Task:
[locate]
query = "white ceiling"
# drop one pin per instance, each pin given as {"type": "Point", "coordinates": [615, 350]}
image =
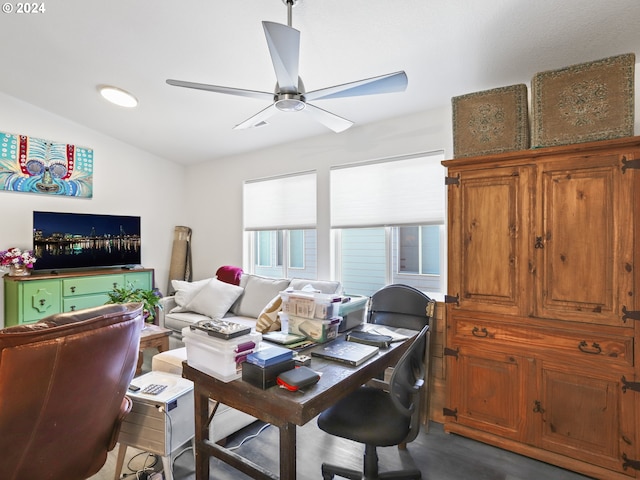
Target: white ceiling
{"type": "Point", "coordinates": [56, 59]}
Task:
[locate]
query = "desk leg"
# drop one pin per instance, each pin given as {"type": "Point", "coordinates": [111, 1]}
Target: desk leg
{"type": "Point", "coordinates": [288, 451]}
{"type": "Point", "coordinates": [201, 403]}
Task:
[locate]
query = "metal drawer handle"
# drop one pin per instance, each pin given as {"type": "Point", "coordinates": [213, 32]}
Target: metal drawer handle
{"type": "Point", "coordinates": [593, 350]}
{"type": "Point", "coordinates": [73, 308]}
{"type": "Point", "coordinates": [42, 301]}
{"type": "Point", "coordinates": [477, 332]}
{"type": "Point", "coordinates": [73, 289]}
{"type": "Point", "coordinates": [115, 285]}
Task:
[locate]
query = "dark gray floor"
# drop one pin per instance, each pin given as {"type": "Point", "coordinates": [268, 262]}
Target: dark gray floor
{"type": "Point", "coordinates": [439, 456]}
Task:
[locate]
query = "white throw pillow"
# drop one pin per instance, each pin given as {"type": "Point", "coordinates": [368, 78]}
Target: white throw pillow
{"type": "Point", "coordinates": [185, 291]}
{"type": "Point", "coordinates": [214, 299]}
{"type": "Point", "coordinates": [258, 292]}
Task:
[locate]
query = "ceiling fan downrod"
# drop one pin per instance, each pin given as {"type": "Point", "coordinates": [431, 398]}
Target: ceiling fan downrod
{"type": "Point", "coordinates": [290, 4]}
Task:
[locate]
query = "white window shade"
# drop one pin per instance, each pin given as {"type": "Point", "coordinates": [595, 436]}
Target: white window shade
{"type": "Point", "coordinates": [281, 203]}
{"type": "Point", "coordinates": [401, 191]}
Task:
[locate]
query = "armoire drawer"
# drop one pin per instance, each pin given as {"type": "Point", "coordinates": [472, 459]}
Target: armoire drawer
{"type": "Point", "coordinates": [575, 344]}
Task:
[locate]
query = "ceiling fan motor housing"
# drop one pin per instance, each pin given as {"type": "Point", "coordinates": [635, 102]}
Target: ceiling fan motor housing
{"type": "Point", "coordinates": [289, 102]}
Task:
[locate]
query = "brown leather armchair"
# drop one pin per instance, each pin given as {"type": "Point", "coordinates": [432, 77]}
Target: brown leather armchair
{"type": "Point", "coordinates": [63, 382]}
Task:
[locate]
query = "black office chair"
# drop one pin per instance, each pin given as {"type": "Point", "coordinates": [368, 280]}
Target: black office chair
{"type": "Point", "coordinates": [380, 418]}
{"type": "Point", "coordinates": [400, 305]}
{"type": "Point", "coordinates": [403, 306]}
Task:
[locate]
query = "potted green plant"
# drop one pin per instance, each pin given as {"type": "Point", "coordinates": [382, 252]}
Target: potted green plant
{"type": "Point", "coordinates": [128, 293]}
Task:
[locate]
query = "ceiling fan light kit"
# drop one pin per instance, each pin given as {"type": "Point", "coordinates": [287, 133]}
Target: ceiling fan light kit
{"type": "Point", "coordinates": [290, 95]}
{"type": "Point", "coordinates": [118, 96]}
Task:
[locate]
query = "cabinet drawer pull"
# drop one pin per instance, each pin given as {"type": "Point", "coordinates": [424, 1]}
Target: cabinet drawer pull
{"type": "Point", "coordinates": [593, 350]}
{"type": "Point", "coordinates": [73, 289]}
{"type": "Point", "coordinates": [73, 308]}
{"type": "Point", "coordinates": [477, 332]}
{"type": "Point", "coordinates": [42, 301]}
{"type": "Point", "coordinates": [115, 285]}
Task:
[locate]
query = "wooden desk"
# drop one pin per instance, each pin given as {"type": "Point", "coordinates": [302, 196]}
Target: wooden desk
{"type": "Point", "coordinates": [152, 336]}
{"type": "Point", "coordinates": [277, 406]}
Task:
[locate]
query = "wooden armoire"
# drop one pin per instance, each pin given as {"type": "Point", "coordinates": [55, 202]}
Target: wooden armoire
{"type": "Point", "coordinates": [542, 310]}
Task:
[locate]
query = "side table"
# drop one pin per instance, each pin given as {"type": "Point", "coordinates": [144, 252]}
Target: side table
{"type": "Point", "coordinates": [159, 423]}
{"type": "Point", "coordinates": [152, 336]}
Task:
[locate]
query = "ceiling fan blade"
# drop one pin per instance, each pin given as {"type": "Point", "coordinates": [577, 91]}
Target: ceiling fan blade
{"type": "Point", "coordinates": [228, 90]}
{"type": "Point", "coordinates": [389, 83]}
{"type": "Point", "coordinates": [258, 118]}
{"type": "Point", "coordinates": [284, 47]}
{"type": "Point", "coordinates": [328, 119]}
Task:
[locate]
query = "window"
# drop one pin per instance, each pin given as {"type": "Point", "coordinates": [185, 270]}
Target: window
{"type": "Point", "coordinates": [279, 221]}
{"type": "Point", "coordinates": [296, 249]}
{"type": "Point", "coordinates": [284, 253]}
{"type": "Point", "coordinates": [388, 223]}
{"type": "Point", "coordinates": [418, 250]}
{"type": "Point", "coordinates": [264, 249]}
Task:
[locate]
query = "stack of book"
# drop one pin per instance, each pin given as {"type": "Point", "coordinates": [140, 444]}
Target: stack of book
{"type": "Point", "coordinates": [262, 367]}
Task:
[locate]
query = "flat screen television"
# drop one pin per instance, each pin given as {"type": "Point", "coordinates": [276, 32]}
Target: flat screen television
{"type": "Point", "coordinates": [83, 240]}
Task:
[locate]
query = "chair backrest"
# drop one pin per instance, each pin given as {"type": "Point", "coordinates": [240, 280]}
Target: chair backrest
{"type": "Point", "coordinates": [407, 381]}
{"type": "Point", "coordinates": [399, 305]}
{"type": "Point", "coordinates": [63, 382]}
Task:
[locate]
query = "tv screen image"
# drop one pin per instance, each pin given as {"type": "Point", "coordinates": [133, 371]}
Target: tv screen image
{"type": "Point", "coordinates": [82, 240]}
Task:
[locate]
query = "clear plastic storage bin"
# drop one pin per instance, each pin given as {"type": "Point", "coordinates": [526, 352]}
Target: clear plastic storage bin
{"type": "Point", "coordinates": [215, 356]}
{"type": "Point", "coordinates": [319, 331]}
{"type": "Point", "coordinates": [321, 306]}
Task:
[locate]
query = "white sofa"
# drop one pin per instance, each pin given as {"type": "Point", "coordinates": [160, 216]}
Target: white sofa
{"type": "Point", "coordinates": [256, 294]}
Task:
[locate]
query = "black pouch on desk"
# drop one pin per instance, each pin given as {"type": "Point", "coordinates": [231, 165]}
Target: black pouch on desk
{"type": "Point", "coordinates": [369, 338]}
{"type": "Point", "coordinates": [297, 378]}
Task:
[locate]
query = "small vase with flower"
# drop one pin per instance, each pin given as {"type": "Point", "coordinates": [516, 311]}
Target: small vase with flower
{"type": "Point", "coordinates": [17, 262]}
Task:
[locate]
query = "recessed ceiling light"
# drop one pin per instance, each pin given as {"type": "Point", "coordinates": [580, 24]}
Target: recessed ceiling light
{"type": "Point", "coordinates": [118, 96]}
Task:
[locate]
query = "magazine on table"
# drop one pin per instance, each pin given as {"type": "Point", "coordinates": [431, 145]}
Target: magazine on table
{"type": "Point", "coordinates": [376, 335]}
{"type": "Point", "coordinates": [341, 350]}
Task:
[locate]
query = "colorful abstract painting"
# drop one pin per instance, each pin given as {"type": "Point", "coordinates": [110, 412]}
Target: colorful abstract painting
{"type": "Point", "coordinates": [34, 165]}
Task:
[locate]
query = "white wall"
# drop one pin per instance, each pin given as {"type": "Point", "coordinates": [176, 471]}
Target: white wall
{"type": "Point", "coordinates": [215, 189]}
{"type": "Point", "coordinates": [126, 181]}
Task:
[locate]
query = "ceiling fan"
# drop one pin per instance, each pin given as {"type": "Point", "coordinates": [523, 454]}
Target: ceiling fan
{"type": "Point", "coordinates": [290, 95]}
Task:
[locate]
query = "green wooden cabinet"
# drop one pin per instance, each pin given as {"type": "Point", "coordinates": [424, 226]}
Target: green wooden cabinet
{"type": "Point", "coordinates": [29, 299]}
